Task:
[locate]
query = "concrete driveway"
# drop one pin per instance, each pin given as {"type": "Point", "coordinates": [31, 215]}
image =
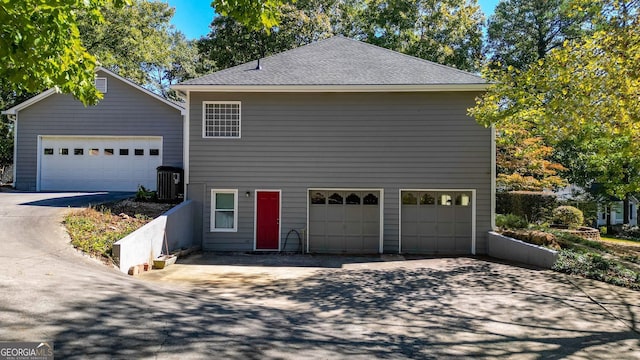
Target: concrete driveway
{"type": "Point", "coordinates": [211, 306]}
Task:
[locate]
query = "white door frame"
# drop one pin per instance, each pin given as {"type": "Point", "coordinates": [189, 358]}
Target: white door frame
{"type": "Point", "coordinates": [255, 218]}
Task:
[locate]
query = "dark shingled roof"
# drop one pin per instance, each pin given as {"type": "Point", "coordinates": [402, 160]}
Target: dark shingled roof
{"type": "Point", "coordinates": [339, 61]}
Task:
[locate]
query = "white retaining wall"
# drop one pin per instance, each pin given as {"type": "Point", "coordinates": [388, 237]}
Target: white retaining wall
{"type": "Point", "coordinates": [147, 243]}
{"type": "Point", "coordinates": [503, 247]}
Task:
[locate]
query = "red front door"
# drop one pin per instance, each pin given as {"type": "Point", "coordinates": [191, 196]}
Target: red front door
{"type": "Point", "coordinates": [268, 220]}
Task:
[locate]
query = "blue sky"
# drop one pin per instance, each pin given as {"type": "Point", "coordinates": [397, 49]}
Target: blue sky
{"type": "Point", "coordinates": [193, 17]}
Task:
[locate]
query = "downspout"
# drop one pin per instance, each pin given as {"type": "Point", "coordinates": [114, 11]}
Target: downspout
{"type": "Point", "coordinates": [493, 177]}
{"type": "Point", "coordinates": [14, 118]}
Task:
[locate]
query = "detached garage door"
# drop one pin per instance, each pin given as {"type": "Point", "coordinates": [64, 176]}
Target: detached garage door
{"type": "Point", "coordinates": [436, 222]}
{"type": "Point", "coordinates": [71, 163]}
{"type": "Point", "coordinates": [344, 221]}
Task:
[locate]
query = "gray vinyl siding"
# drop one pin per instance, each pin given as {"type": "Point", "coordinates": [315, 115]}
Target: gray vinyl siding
{"type": "Point", "coordinates": [124, 111]}
{"type": "Point", "coordinates": [296, 142]}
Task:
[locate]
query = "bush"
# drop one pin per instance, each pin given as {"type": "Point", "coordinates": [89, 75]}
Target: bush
{"type": "Point", "coordinates": [535, 207]}
{"type": "Point", "coordinates": [511, 221]}
{"type": "Point", "coordinates": [569, 216]}
{"type": "Point", "coordinates": [630, 232]}
{"type": "Point", "coordinates": [144, 194]}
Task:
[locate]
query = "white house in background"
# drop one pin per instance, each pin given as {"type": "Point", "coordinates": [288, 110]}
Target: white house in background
{"type": "Point", "coordinates": [616, 207]}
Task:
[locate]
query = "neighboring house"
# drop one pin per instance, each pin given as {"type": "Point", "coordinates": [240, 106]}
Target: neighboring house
{"type": "Point", "coordinates": [61, 145]}
{"type": "Point", "coordinates": [615, 206]}
{"type": "Point", "coordinates": [358, 148]}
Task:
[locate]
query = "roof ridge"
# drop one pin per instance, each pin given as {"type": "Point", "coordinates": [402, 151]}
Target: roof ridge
{"type": "Point", "coordinates": [412, 57]}
{"type": "Point", "coordinates": [265, 58]}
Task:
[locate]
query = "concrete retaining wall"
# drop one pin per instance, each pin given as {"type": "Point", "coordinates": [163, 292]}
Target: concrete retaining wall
{"type": "Point", "coordinates": [147, 243]}
{"type": "Point", "coordinates": [506, 248]}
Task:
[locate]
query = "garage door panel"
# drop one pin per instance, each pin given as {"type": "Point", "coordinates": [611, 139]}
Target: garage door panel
{"type": "Point", "coordinates": [351, 222]}
{"type": "Point", "coordinates": [436, 222]}
{"type": "Point", "coordinates": [93, 163]}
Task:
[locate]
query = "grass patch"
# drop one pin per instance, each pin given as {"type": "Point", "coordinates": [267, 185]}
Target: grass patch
{"type": "Point", "coordinates": [96, 230]}
{"type": "Point", "coordinates": [620, 241]}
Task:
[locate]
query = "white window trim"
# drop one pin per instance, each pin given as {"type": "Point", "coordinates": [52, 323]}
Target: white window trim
{"type": "Point", "coordinates": [212, 220]}
{"type": "Point", "coordinates": [204, 119]}
{"type": "Point", "coordinates": [105, 84]}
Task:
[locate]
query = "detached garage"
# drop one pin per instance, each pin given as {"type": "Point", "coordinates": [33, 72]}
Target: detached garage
{"type": "Point", "coordinates": [61, 145]}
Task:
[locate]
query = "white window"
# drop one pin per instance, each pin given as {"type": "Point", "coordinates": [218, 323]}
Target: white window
{"type": "Point", "coordinates": [224, 210]}
{"type": "Point", "coordinates": [221, 119]}
{"type": "Point", "coordinates": [101, 84]}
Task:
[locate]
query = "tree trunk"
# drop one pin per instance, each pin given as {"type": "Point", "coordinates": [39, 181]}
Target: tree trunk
{"type": "Point", "coordinates": [625, 209]}
{"type": "Point", "coordinates": [609, 227]}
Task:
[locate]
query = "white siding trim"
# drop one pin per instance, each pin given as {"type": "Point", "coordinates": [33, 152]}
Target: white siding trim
{"type": "Point", "coordinates": [185, 144]}
{"type": "Point", "coordinates": [213, 210]}
{"type": "Point", "coordinates": [493, 178]}
{"type": "Point", "coordinates": [473, 214]}
{"type": "Point", "coordinates": [15, 146]}
{"type": "Point", "coordinates": [380, 199]}
{"type": "Point", "coordinates": [38, 162]}
{"type": "Point", "coordinates": [255, 218]}
{"type": "Point", "coordinates": [331, 88]}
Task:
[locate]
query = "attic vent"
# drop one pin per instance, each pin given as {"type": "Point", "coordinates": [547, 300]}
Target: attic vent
{"type": "Point", "coordinates": [101, 84]}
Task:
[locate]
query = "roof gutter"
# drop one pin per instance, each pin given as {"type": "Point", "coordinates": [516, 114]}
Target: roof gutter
{"type": "Point", "coordinates": [331, 88]}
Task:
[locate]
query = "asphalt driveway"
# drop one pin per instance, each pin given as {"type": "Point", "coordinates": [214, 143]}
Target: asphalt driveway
{"type": "Point", "coordinates": [212, 306]}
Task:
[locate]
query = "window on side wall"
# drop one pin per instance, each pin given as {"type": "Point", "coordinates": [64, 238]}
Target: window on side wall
{"type": "Point", "coordinates": [221, 119]}
{"type": "Point", "coordinates": [224, 210]}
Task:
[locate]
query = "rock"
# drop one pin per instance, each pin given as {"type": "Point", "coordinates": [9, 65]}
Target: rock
{"type": "Point", "coordinates": [123, 216]}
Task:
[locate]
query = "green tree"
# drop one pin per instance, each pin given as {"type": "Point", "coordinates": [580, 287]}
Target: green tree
{"type": "Point", "coordinates": [255, 15]}
{"type": "Point", "coordinates": [40, 46]}
{"type": "Point", "coordinates": [130, 40]}
{"type": "Point", "coordinates": [583, 95]}
{"type": "Point", "coordinates": [522, 31]}
{"type": "Point", "coordinates": [447, 32]}
{"type": "Point", "coordinates": [231, 43]}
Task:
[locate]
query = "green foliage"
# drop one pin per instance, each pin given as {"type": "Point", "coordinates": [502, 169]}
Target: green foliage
{"type": "Point", "coordinates": [40, 46]}
{"type": "Point", "coordinates": [253, 14]}
{"type": "Point", "coordinates": [447, 32]}
{"type": "Point", "coordinates": [95, 232]}
{"type": "Point", "coordinates": [595, 266]}
{"type": "Point", "coordinates": [584, 95]}
{"type": "Point", "coordinates": [511, 221]}
{"type": "Point", "coordinates": [144, 194]}
{"type": "Point", "coordinates": [630, 232]}
{"type": "Point", "coordinates": [520, 32]}
{"type": "Point", "coordinates": [6, 144]}
{"type": "Point", "coordinates": [569, 216]}
{"type": "Point", "coordinates": [231, 43]}
{"type": "Point", "coordinates": [535, 207]}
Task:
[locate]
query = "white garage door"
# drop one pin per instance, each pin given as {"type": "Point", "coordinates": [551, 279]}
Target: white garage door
{"type": "Point", "coordinates": [71, 163]}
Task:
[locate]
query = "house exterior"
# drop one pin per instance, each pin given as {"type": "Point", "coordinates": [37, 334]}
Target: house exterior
{"type": "Point", "coordinates": [357, 148]}
{"type": "Point", "coordinates": [61, 145]}
{"type": "Point", "coordinates": [607, 205]}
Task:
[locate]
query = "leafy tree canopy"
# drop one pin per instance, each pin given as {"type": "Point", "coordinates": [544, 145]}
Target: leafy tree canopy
{"type": "Point", "coordinates": [586, 94]}
{"type": "Point", "coordinates": [40, 46]}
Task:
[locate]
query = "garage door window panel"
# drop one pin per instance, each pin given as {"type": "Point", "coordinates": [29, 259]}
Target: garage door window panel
{"type": "Point", "coordinates": [124, 152]}
{"type": "Point", "coordinates": [108, 152]}
{"type": "Point", "coordinates": [64, 151]}
{"type": "Point", "coordinates": [48, 151]}
{"type": "Point", "coordinates": [224, 205]}
{"type": "Point", "coordinates": [78, 151]}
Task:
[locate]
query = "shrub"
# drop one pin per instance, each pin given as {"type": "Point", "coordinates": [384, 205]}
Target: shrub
{"type": "Point", "coordinates": [144, 194]}
{"type": "Point", "coordinates": [630, 232]}
{"type": "Point", "coordinates": [595, 266]}
{"type": "Point", "coordinates": [535, 207]}
{"type": "Point", "coordinates": [569, 216]}
{"type": "Point", "coordinates": [511, 221]}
